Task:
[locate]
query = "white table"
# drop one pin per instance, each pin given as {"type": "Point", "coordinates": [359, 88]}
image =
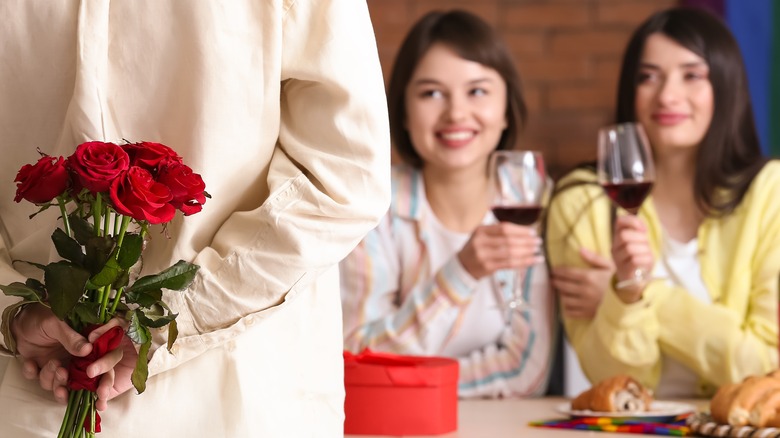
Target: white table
{"type": "Point", "coordinates": [509, 418]}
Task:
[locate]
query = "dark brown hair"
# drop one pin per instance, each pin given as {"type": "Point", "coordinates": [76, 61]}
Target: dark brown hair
{"type": "Point", "coordinates": [471, 38]}
{"type": "Point", "coordinates": [729, 156]}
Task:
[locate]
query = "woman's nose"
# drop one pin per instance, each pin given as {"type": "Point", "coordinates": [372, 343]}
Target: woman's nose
{"type": "Point", "coordinates": [457, 108]}
{"type": "Point", "coordinates": [670, 91]}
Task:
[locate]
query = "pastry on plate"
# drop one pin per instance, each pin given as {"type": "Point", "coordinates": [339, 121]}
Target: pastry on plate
{"type": "Point", "coordinates": [620, 393]}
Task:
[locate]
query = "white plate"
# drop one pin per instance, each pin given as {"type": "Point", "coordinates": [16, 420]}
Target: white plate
{"type": "Point", "coordinates": [660, 411]}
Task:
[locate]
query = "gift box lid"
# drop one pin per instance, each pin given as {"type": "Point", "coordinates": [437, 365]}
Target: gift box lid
{"type": "Point", "coordinates": [371, 368]}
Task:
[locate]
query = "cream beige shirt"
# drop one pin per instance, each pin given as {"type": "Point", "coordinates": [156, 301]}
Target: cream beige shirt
{"type": "Point", "coordinates": [280, 105]}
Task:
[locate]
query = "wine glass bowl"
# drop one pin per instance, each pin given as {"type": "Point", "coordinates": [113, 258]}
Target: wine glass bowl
{"type": "Point", "coordinates": [519, 182]}
{"type": "Point", "coordinates": [626, 172]}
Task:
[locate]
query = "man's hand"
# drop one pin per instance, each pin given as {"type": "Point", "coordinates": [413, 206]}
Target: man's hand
{"type": "Point", "coordinates": [582, 289]}
{"type": "Point", "coordinates": [46, 344]}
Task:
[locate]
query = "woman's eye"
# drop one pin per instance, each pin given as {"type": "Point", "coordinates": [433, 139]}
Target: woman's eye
{"type": "Point", "coordinates": [436, 94]}
{"type": "Point", "coordinates": [644, 76]}
{"type": "Point", "coordinates": [478, 92]}
{"type": "Point", "coordinates": [694, 76]}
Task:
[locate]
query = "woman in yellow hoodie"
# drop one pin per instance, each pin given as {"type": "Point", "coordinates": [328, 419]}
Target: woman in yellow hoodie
{"type": "Point", "coordinates": [709, 233]}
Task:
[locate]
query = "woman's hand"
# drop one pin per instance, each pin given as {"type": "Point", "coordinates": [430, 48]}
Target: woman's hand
{"type": "Point", "coordinates": [500, 246]}
{"type": "Point", "coordinates": [46, 344]}
{"type": "Point", "coordinates": [582, 289]}
{"type": "Point", "coordinates": [631, 252]}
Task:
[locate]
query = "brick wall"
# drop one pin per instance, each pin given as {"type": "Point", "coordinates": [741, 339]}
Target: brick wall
{"type": "Point", "coordinates": [567, 51]}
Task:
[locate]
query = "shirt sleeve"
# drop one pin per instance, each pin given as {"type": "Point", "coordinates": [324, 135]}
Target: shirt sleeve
{"type": "Point", "coordinates": [375, 313]}
{"type": "Point", "coordinates": [328, 179]}
{"type": "Point", "coordinates": [519, 363]}
{"type": "Point", "coordinates": [621, 338]}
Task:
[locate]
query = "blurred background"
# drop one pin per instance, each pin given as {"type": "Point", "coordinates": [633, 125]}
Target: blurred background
{"type": "Point", "coordinates": [568, 53]}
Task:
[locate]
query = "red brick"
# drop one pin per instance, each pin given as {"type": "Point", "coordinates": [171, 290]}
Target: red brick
{"type": "Point", "coordinates": [598, 41]}
{"type": "Point", "coordinates": [584, 97]}
{"type": "Point", "coordinates": [522, 16]}
{"type": "Point", "coordinates": [526, 43]}
{"type": "Point", "coordinates": [628, 13]}
{"type": "Point", "coordinates": [488, 10]}
{"type": "Point", "coordinates": [533, 98]}
{"type": "Point", "coordinates": [554, 69]}
{"type": "Point", "coordinates": [393, 13]}
{"type": "Point", "coordinates": [607, 69]}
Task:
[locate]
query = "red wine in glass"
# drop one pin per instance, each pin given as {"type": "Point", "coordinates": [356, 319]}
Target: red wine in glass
{"type": "Point", "coordinates": [519, 214]}
{"type": "Point", "coordinates": [626, 172]}
{"type": "Point", "coordinates": [628, 194]}
{"type": "Point", "coordinates": [519, 182]}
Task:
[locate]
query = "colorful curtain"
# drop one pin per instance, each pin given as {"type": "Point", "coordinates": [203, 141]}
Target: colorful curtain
{"type": "Point", "coordinates": [756, 26]}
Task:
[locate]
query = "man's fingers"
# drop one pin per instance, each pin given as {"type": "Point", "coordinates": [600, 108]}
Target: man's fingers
{"type": "Point", "coordinates": [30, 370]}
{"type": "Point", "coordinates": [105, 363]}
{"type": "Point", "coordinates": [98, 332]}
{"type": "Point", "coordinates": [596, 260]}
{"type": "Point", "coordinates": [71, 340]}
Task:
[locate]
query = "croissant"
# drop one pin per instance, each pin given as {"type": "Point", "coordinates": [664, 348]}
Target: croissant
{"type": "Point", "coordinates": [765, 412]}
{"type": "Point", "coordinates": [754, 401]}
{"type": "Point", "coordinates": [620, 393]}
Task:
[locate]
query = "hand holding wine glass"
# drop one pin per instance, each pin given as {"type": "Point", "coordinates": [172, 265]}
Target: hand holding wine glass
{"type": "Point", "coordinates": [519, 180]}
{"type": "Point", "coordinates": [626, 172]}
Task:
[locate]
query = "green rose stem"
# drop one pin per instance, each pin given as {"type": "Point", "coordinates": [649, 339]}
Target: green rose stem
{"type": "Point", "coordinates": [97, 209]}
{"type": "Point", "coordinates": [65, 220]}
{"type": "Point", "coordinates": [120, 238]}
{"type": "Point", "coordinates": [67, 421]}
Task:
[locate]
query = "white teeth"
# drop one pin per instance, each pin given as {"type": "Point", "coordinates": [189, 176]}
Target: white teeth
{"type": "Point", "coordinates": [462, 135]}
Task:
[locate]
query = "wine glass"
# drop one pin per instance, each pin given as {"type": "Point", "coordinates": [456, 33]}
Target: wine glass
{"type": "Point", "coordinates": [626, 172]}
{"type": "Point", "coordinates": [519, 182]}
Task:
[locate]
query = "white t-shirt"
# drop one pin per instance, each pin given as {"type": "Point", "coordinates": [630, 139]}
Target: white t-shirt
{"type": "Point", "coordinates": [679, 266]}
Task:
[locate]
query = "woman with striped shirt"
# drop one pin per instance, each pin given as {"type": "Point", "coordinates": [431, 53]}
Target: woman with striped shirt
{"type": "Point", "coordinates": [433, 277]}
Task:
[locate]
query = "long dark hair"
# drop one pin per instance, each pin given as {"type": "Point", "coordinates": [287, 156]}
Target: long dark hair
{"type": "Point", "coordinates": [471, 38]}
{"type": "Point", "coordinates": [729, 156]}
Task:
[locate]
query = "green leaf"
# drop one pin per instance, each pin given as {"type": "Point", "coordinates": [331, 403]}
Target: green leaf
{"type": "Point", "coordinates": [141, 371]}
{"type": "Point", "coordinates": [82, 230]}
{"type": "Point", "coordinates": [87, 312]}
{"type": "Point", "coordinates": [17, 289]}
{"type": "Point", "coordinates": [136, 330]}
{"type": "Point", "coordinates": [173, 333]}
{"type": "Point", "coordinates": [144, 299]}
{"type": "Point", "coordinates": [177, 277]}
{"type": "Point", "coordinates": [65, 283]}
{"type": "Point", "coordinates": [37, 285]}
{"type": "Point", "coordinates": [98, 252]}
{"type": "Point", "coordinates": [155, 317]}
{"type": "Point", "coordinates": [67, 247]}
{"type": "Point", "coordinates": [122, 280]}
{"type": "Point", "coordinates": [110, 272]}
{"type": "Point", "coordinates": [132, 244]}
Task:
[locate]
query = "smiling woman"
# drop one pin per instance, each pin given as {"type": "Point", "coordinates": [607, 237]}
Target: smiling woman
{"type": "Point", "coordinates": [709, 227]}
{"type": "Point", "coordinates": [431, 279]}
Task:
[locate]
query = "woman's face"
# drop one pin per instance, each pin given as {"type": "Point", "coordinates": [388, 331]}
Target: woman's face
{"type": "Point", "coordinates": [674, 97]}
{"type": "Point", "coordinates": [455, 109]}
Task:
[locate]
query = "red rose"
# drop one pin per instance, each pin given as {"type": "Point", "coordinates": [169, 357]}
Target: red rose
{"type": "Point", "coordinates": [137, 195]}
{"type": "Point", "coordinates": [187, 187]}
{"type": "Point", "coordinates": [98, 164]}
{"type": "Point", "coordinates": [151, 156]}
{"type": "Point", "coordinates": [43, 181]}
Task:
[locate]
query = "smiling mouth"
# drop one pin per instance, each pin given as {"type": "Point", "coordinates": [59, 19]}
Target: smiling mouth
{"type": "Point", "coordinates": [669, 119]}
{"type": "Point", "coordinates": [457, 136]}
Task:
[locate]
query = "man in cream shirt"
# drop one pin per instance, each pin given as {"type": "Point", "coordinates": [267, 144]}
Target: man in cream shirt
{"type": "Point", "coordinates": [280, 106]}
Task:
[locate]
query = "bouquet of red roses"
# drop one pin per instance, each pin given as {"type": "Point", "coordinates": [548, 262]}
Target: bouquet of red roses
{"type": "Point", "coordinates": [108, 196]}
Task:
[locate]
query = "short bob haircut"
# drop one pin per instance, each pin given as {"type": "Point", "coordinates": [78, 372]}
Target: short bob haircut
{"type": "Point", "coordinates": [471, 38]}
{"type": "Point", "coordinates": [729, 156]}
